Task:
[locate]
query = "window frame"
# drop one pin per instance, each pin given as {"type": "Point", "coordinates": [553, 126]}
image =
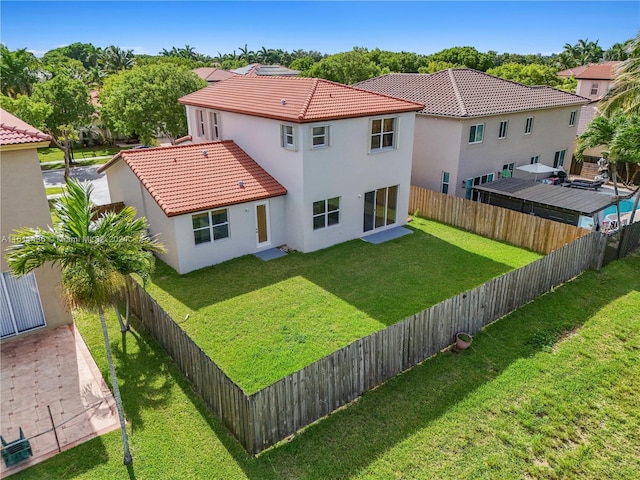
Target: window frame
{"type": "Point", "coordinates": [559, 158]}
{"type": "Point", "coordinates": [214, 125]}
{"type": "Point", "coordinates": [284, 135]}
{"type": "Point", "coordinates": [475, 129]}
{"type": "Point", "coordinates": [326, 213]}
{"type": "Point", "coordinates": [534, 159]}
{"type": "Point", "coordinates": [509, 166]}
{"type": "Point", "coordinates": [595, 87]}
{"type": "Point", "coordinates": [200, 123]}
{"type": "Point", "coordinates": [382, 133]}
{"type": "Point", "coordinates": [502, 132]}
{"type": "Point", "coordinates": [572, 118]}
{"type": "Point", "coordinates": [528, 126]}
{"type": "Point", "coordinates": [326, 136]}
{"type": "Point", "coordinates": [210, 227]}
{"type": "Point", "coordinates": [445, 182]}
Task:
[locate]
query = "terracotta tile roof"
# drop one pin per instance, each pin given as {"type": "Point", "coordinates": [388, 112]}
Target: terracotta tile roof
{"type": "Point", "coordinates": [14, 131]}
{"type": "Point", "coordinates": [295, 99]}
{"type": "Point", "coordinates": [211, 74]}
{"type": "Point", "coordinates": [599, 71]}
{"type": "Point", "coordinates": [464, 92]}
{"type": "Point", "coordinates": [572, 72]}
{"type": "Point", "coordinates": [183, 179]}
{"type": "Point", "coordinates": [259, 70]}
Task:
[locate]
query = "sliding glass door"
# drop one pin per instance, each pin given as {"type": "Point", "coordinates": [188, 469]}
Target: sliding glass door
{"type": "Point", "coordinates": [380, 208]}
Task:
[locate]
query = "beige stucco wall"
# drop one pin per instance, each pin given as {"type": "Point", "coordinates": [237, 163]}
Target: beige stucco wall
{"type": "Point", "coordinates": [584, 88]}
{"type": "Point", "coordinates": [442, 144]}
{"type": "Point", "coordinates": [23, 203]}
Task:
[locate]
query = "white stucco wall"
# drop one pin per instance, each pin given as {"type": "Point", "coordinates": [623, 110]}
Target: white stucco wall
{"type": "Point", "coordinates": [345, 169]}
{"type": "Point", "coordinates": [443, 145]}
{"type": "Point", "coordinates": [125, 187]}
{"type": "Point", "coordinates": [242, 235]}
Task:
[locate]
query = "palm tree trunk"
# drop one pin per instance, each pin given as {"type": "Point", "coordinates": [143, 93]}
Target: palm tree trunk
{"type": "Point", "coordinates": [127, 458]}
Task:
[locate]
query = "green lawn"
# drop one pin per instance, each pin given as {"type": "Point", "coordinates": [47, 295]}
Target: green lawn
{"type": "Point", "coordinates": [260, 321]}
{"type": "Point", "coordinates": [550, 391]}
{"type": "Point", "coordinates": [52, 154]}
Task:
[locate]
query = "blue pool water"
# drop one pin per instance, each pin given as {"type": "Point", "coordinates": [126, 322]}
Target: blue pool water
{"type": "Point", "coordinates": [625, 206]}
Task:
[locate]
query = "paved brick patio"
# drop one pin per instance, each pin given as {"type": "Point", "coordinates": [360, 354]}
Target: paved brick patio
{"type": "Point", "coordinates": [52, 370]}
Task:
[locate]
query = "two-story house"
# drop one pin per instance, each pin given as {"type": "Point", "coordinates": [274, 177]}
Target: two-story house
{"type": "Point", "coordinates": [274, 161]}
{"type": "Point", "coordinates": [31, 302]}
{"type": "Point", "coordinates": [475, 127]}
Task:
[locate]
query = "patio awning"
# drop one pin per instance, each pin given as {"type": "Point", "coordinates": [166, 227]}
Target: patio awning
{"type": "Point", "coordinates": [538, 168]}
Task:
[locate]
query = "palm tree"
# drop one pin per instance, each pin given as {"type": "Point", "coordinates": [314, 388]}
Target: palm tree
{"type": "Point", "coordinates": [625, 146]}
{"type": "Point", "coordinates": [18, 71]}
{"type": "Point", "coordinates": [93, 254]}
{"type": "Point", "coordinates": [625, 92]}
{"type": "Point", "coordinates": [115, 59]}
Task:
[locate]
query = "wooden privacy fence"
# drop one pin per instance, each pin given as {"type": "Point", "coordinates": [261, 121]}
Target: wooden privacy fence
{"type": "Point", "coordinates": [527, 231]}
{"type": "Point", "coordinates": [271, 414]}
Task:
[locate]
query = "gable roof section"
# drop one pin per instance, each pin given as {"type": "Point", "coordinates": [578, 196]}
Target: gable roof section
{"type": "Point", "coordinates": [184, 179]}
{"type": "Point", "coordinates": [599, 71]}
{"type": "Point", "coordinates": [464, 92]}
{"type": "Point", "coordinates": [295, 99]}
{"type": "Point", "coordinates": [14, 131]}
{"type": "Point", "coordinates": [211, 74]}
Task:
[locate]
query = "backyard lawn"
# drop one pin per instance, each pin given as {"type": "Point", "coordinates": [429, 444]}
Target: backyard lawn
{"type": "Point", "coordinates": [260, 321]}
{"type": "Point", "coordinates": [54, 154]}
{"type": "Point", "coordinates": [549, 391]}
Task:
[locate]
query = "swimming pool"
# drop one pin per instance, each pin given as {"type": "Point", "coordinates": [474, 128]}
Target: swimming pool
{"type": "Point", "coordinates": [625, 206]}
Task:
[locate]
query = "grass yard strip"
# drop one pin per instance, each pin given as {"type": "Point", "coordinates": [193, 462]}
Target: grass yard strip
{"type": "Point", "coordinates": [53, 154]}
{"type": "Point", "coordinates": [55, 190]}
{"type": "Point", "coordinates": [260, 321]}
{"type": "Point", "coordinates": [549, 391]}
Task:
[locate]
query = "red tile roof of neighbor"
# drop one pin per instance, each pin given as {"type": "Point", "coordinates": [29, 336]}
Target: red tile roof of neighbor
{"type": "Point", "coordinates": [14, 131]}
{"type": "Point", "coordinates": [211, 74]}
{"type": "Point", "coordinates": [191, 178]}
{"type": "Point", "coordinates": [295, 99]}
{"type": "Point", "coordinates": [464, 92]}
{"type": "Point", "coordinates": [599, 71]}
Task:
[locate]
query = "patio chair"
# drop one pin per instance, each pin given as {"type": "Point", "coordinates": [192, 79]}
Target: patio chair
{"type": "Point", "coordinates": [16, 451]}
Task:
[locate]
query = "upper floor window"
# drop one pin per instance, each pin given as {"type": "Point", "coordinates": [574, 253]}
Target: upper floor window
{"type": "Point", "coordinates": [383, 133]}
{"type": "Point", "coordinates": [326, 213]}
{"type": "Point", "coordinates": [594, 88]}
{"type": "Point", "coordinates": [210, 226]}
{"type": "Point", "coordinates": [572, 118]}
{"type": "Point", "coordinates": [502, 132]}
{"type": "Point", "coordinates": [475, 133]}
{"type": "Point", "coordinates": [214, 124]}
{"type": "Point", "coordinates": [319, 137]}
{"type": "Point", "coordinates": [535, 159]}
{"type": "Point", "coordinates": [528, 127]}
{"type": "Point", "coordinates": [200, 122]}
{"type": "Point", "coordinates": [558, 159]}
{"type": "Point", "coordinates": [288, 137]}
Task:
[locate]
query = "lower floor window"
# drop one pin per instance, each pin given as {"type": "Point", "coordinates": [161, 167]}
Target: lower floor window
{"type": "Point", "coordinates": [326, 213]}
{"type": "Point", "coordinates": [445, 183]}
{"type": "Point", "coordinates": [210, 226]}
{"type": "Point", "coordinates": [558, 159]}
{"type": "Point", "coordinates": [472, 182]}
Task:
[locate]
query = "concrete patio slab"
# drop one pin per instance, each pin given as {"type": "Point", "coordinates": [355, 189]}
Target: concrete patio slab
{"type": "Point", "coordinates": [50, 375]}
{"type": "Point", "coordinates": [270, 254]}
{"type": "Point", "coordinates": [387, 235]}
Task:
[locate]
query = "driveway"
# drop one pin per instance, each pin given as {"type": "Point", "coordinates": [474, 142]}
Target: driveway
{"type": "Point", "coordinates": [50, 379]}
{"type": "Point", "coordinates": [100, 195]}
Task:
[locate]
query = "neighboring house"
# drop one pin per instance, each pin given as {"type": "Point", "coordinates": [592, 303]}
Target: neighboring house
{"type": "Point", "coordinates": [594, 81]}
{"type": "Point", "coordinates": [301, 162]}
{"type": "Point", "coordinates": [259, 70]}
{"type": "Point", "coordinates": [212, 74]}
{"type": "Point", "coordinates": [33, 301]}
{"type": "Point", "coordinates": [474, 126]}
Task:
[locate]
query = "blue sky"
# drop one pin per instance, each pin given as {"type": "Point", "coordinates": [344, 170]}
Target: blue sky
{"type": "Point", "coordinates": [328, 26]}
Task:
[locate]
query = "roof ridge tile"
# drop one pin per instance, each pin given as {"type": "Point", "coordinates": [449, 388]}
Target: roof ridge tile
{"type": "Point", "coordinates": [456, 91]}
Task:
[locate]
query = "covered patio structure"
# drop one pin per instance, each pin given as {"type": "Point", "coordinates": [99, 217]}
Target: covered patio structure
{"type": "Point", "coordinates": [567, 205]}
